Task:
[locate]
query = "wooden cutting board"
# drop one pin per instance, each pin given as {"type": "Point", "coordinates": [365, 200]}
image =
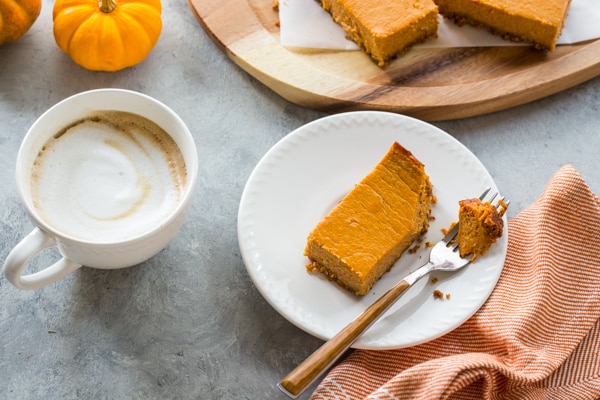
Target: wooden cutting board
{"type": "Point", "coordinates": [429, 84]}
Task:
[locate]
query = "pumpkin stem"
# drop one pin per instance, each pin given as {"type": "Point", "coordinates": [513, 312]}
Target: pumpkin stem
{"type": "Point", "coordinates": [107, 6]}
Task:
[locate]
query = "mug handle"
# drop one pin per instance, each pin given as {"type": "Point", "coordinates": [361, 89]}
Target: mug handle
{"type": "Point", "coordinates": [30, 245]}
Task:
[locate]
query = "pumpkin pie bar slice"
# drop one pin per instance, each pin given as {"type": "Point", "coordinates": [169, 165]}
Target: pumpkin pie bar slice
{"type": "Point", "coordinates": [370, 228]}
{"type": "Point", "coordinates": [539, 22]}
{"type": "Point", "coordinates": [384, 29]}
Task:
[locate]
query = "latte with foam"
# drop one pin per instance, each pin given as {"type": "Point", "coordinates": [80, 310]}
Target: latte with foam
{"type": "Point", "coordinates": [109, 177]}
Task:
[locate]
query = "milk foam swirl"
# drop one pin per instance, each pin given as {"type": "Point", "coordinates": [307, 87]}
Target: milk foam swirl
{"type": "Point", "coordinates": [109, 177]}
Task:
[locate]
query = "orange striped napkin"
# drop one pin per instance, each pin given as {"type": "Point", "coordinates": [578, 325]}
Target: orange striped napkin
{"type": "Point", "coordinates": [537, 336]}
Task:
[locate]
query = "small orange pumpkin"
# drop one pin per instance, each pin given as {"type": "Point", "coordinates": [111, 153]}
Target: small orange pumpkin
{"type": "Point", "coordinates": [107, 35]}
{"type": "Point", "coordinates": [16, 17]}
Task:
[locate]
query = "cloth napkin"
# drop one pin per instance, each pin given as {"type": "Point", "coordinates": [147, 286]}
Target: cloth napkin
{"type": "Point", "coordinates": [536, 337]}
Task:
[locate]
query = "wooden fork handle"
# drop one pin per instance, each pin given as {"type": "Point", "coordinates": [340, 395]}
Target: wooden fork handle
{"type": "Point", "coordinates": [326, 355]}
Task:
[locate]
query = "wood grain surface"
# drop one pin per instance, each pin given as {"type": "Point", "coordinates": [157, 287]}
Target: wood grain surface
{"type": "Point", "coordinates": [429, 84]}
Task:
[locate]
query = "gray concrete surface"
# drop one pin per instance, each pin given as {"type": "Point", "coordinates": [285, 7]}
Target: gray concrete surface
{"type": "Point", "coordinates": [189, 324]}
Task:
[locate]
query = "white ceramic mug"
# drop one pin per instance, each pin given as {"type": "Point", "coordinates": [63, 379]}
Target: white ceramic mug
{"type": "Point", "coordinates": [75, 250]}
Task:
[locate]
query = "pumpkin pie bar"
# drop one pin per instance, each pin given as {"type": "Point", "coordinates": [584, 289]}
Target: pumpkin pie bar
{"type": "Point", "coordinates": [385, 29]}
{"type": "Point", "coordinates": [370, 228]}
{"type": "Point", "coordinates": [479, 225]}
{"type": "Point", "coordinates": [539, 22]}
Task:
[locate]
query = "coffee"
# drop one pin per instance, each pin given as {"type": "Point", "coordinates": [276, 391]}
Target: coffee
{"type": "Point", "coordinates": [108, 177]}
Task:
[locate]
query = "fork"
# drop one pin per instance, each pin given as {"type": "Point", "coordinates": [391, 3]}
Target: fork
{"type": "Point", "coordinates": [443, 257]}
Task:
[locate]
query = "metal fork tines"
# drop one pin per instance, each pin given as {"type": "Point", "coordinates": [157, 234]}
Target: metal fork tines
{"type": "Point", "coordinates": [443, 257]}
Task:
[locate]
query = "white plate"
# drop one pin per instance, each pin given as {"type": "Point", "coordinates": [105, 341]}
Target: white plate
{"type": "Point", "coordinates": [305, 174]}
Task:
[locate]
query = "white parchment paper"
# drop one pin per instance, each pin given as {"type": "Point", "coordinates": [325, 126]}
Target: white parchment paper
{"type": "Point", "coordinates": [305, 24]}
